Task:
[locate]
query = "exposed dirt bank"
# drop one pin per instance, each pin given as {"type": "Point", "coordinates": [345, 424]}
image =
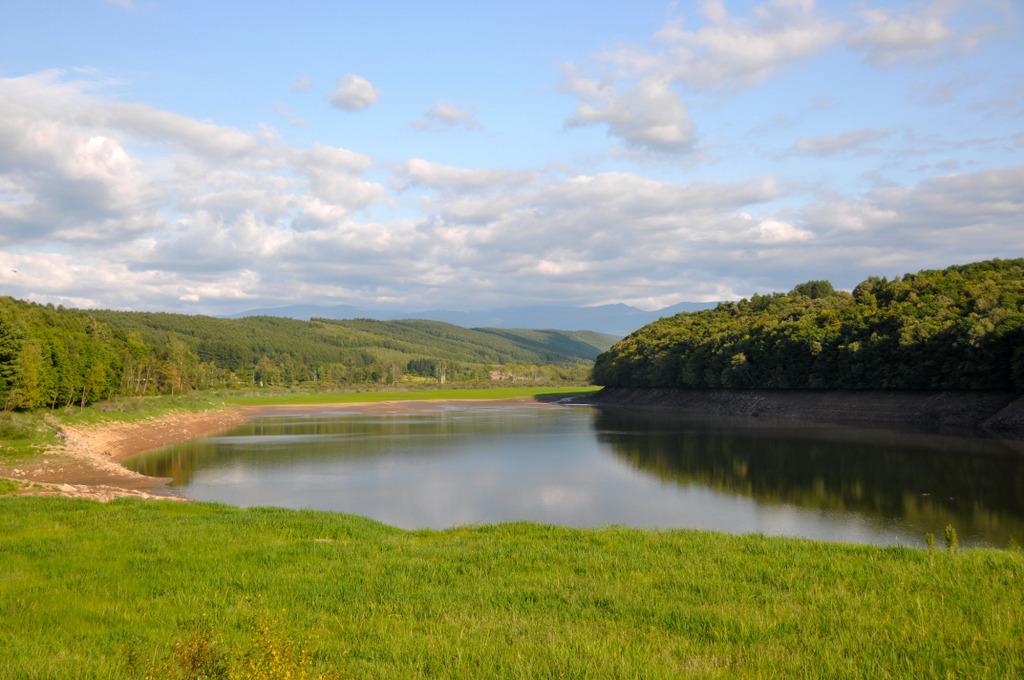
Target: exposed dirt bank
{"type": "Point", "coordinates": [993, 413]}
{"type": "Point", "coordinates": [87, 464]}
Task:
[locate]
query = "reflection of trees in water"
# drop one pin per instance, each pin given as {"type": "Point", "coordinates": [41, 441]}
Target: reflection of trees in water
{"type": "Point", "coordinates": [928, 481]}
{"type": "Point", "coordinates": [923, 481]}
{"type": "Point", "coordinates": [268, 442]}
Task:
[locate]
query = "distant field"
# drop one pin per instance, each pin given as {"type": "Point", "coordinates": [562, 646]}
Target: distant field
{"type": "Point", "coordinates": [187, 590]}
{"type": "Point", "coordinates": [548, 393]}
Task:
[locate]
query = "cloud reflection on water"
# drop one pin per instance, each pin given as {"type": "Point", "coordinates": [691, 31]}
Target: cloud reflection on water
{"type": "Point", "coordinates": [582, 467]}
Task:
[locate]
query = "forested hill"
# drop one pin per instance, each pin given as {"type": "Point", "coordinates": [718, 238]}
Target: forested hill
{"type": "Point", "coordinates": [55, 356]}
{"type": "Point", "coordinates": [958, 328]}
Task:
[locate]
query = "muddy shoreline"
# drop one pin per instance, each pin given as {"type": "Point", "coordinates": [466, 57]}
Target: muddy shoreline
{"type": "Point", "coordinates": [971, 413]}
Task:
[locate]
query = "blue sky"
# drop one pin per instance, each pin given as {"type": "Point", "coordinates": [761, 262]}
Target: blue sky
{"type": "Point", "coordinates": [213, 157]}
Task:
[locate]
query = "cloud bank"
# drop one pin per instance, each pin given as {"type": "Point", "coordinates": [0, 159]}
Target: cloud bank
{"type": "Point", "coordinates": [110, 202]}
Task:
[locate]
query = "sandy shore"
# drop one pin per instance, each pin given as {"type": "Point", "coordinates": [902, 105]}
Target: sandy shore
{"type": "Point", "coordinates": [88, 463]}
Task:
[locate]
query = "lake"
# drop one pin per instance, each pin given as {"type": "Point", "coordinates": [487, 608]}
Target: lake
{"type": "Point", "coordinates": [436, 465]}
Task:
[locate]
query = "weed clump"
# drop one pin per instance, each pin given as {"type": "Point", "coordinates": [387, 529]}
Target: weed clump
{"type": "Point", "coordinates": [267, 655]}
{"type": "Point", "coordinates": [15, 426]}
{"type": "Point", "coordinates": [9, 486]}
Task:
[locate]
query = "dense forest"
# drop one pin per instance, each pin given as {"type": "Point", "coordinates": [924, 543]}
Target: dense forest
{"type": "Point", "coordinates": [958, 328]}
{"type": "Point", "coordinates": [55, 357]}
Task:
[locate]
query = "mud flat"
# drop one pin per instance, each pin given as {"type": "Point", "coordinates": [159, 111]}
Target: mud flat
{"type": "Point", "coordinates": [992, 413]}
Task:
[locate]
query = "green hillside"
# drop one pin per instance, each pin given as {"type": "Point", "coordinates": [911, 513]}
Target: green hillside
{"type": "Point", "coordinates": [54, 356]}
{"type": "Point", "coordinates": [233, 343]}
{"type": "Point", "coordinates": [958, 328]}
{"type": "Point", "coordinates": [550, 343]}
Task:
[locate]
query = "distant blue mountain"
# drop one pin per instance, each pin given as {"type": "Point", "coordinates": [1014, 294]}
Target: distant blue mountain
{"type": "Point", "coordinates": [619, 319]}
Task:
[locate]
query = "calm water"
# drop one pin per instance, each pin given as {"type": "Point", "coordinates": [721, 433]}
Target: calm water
{"type": "Point", "coordinates": [580, 466]}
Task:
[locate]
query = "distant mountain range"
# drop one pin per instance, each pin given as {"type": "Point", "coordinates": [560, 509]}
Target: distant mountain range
{"type": "Point", "coordinates": [619, 319]}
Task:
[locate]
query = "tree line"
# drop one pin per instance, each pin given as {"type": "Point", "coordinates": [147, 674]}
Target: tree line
{"type": "Point", "coordinates": [54, 357]}
{"type": "Point", "coordinates": [957, 328]}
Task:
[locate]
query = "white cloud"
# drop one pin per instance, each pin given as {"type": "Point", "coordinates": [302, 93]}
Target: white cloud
{"type": "Point", "coordinates": [443, 116]}
{"type": "Point", "coordinates": [439, 176]}
{"type": "Point", "coordinates": [62, 177]}
{"type": "Point", "coordinates": [731, 52]}
{"type": "Point", "coordinates": [637, 93]}
{"type": "Point", "coordinates": [641, 94]}
{"type": "Point", "coordinates": [771, 230]}
{"type": "Point", "coordinates": [353, 93]}
{"type": "Point", "coordinates": [585, 232]}
{"type": "Point", "coordinates": [204, 200]}
{"type": "Point", "coordinates": [648, 115]}
{"type": "Point", "coordinates": [198, 137]}
{"type": "Point", "coordinates": [327, 158]}
{"type": "Point", "coordinates": [303, 84]}
{"type": "Point", "coordinates": [829, 145]}
{"type": "Point", "coordinates": [927, 32]}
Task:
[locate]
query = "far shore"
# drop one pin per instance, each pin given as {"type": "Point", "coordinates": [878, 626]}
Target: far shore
{"type": "Point", "coordinates": [966, 412]}
{"type": "Point", "coordinates": [88, 463]}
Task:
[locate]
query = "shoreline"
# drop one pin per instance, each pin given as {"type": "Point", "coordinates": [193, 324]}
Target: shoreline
{"type": "Point", "coordinates": [971, 413]}
{"type": "Point", "coordinates": [88, 463]}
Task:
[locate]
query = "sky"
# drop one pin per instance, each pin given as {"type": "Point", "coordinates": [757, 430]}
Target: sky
{"type": "Point", "coordinates": [211, 157]}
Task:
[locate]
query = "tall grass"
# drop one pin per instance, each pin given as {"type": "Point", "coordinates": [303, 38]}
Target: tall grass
{"type": "Point", "coordinates": [117, 590]}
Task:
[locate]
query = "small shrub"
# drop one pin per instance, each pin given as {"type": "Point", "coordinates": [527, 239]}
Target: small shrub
{"type": "Point", "coordinates": [266, 656]}
{"type": "Point", "coordinates": [930, 540]}
{"type": "Point", "coordinates": [951, 540]}
{"type": "Point", "coordinates": [195, 657]}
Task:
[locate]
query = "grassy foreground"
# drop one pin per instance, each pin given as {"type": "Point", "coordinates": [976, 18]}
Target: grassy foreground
{"type": "Point", "coordinates": [163, 589]}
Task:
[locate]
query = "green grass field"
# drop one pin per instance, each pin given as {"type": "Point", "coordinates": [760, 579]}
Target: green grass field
{"type": "Point", "coordinates": [175, 590]}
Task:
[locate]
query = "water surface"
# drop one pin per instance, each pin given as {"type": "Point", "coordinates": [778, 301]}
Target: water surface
{"type": "Point", "coordinates": [585, 467]}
